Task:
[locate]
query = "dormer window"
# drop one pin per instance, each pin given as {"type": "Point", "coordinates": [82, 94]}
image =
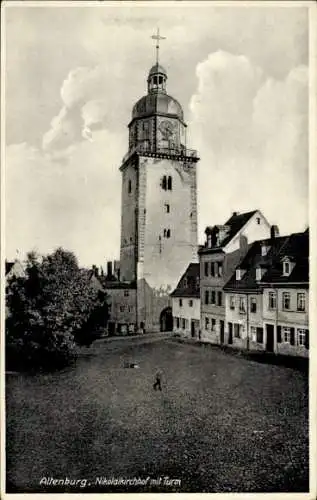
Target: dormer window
{"type": "Point", "coordinates": [238, 274]}
{"type": "Point", "coordinates": [264, 249]}
{"type": "Point", "coordinates": [288, 266]}
{"type": "Point", "coordinates": [259, 273]}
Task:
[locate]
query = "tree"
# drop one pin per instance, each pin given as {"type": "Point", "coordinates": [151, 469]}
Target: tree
{"type": "Point", "coordinates": [51, 310]}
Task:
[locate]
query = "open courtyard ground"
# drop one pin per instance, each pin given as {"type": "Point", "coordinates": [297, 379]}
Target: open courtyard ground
{"type": "Point", "coordinates": [222, 423]}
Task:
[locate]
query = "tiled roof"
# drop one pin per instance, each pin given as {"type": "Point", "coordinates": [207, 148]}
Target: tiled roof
{"type": "Point", "coordinates": [297, 248]}
{"type": "Point", "coordinates": [235, 224]}
{"type": "Point", "coordinates": [251, 261]}
{"type": "Point", "coordinates": [188, 285]}
{"type": "Point", "coordinates": [294, 246]}
{"type": "Point", "coordinates": [116, 284]}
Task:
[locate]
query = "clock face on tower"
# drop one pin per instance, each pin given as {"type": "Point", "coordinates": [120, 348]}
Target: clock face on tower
{"type": "Point", "coordinates": [167, 129]}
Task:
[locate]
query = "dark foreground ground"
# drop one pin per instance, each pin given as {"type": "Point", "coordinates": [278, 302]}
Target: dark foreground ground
{"type": "Point", "coordinates": [221, 424]}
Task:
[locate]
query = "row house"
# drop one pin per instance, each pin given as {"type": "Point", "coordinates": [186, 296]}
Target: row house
{"type": "Point", "coordinates": [267, 297]}
{"type": "Point", "coordinates": [286, 298]}
{"type": "Point", "coordinates": [244, 295]}
{"type": "Point", "coordinates": [186, 303]}
{"type": "Point", "coordinates": [224, 248]}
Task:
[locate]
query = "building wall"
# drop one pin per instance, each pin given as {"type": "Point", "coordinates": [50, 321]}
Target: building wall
{"type": "Point", "coordinates": [162, 260]}
{"type": "Point", "coordinates": [216, 283]}
{"type": "Point", "coordinates": [248, 321]}
{"type": "Point", "coordinates": [183, 311]}
{"type": "Point", "coordinates": [150, 305]}
{"type": "Point", "coordinates": [122, 308]}
{"type": "Point", "coordinates": [291, 319]}
{"type": "Point", "coordinates": [129, 200]}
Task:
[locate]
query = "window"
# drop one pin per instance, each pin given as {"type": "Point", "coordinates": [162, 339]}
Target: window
{"type": "Point", "coordinates": [301, 302]}
{"type": "Point", "coordinates": [272, 300]}
{"type": "Point", "coordinates": [238, 274]}
{"type": "Point", "coordinates": [258, 273]}
{"type": "Point", "coordinates": [286, 332]}
{"type": "Point", "coordinates": [253, 304]}
{"type": "Point", "coordinates": [177, 322]}
{"type": "Point", "coordinates": [231, 302]}
{"type": "Point", "coordinates": [206, 268]}
{"type": "Point", "coordinates": [212, 269]}
{"type": "Point", "coordinates": [206, 296]}
{"type": "Point", "coordinates": [169, 183]}
{"type": "Point", "coordinates": [253, 333]}
{"type": "Point", "coordinates": [122, 309]}
{"type": "Point", "coordinates": [236, 330]}
{"type": "Point", "coordinates": [167, 208]}
{"type": "Point", "coordinates": [155, 80]}
{"type": "Point", "coordinates": [164, 182]}
{"type": "Point", "coordinates": [259, 335]}
{"type": "Point", "coordinates": [286, 268]}
{"type": "Point", "coordinates": [167, 233]}
{"type": "Point", "coordinates": [301, 336]}
{"type": "Point", "coordinates": [184, 323]}
{"type": "Point", "coordinates": [206, 323]}
{"type": "Point", "coordinates": [213, 297]}
{"type": "Point", "coordinates": [286, 297]}
{"type": "Point", "coordinates": [209, 241]}
{"type": "Point", "coordinates": [219, 298]}
{"type": "Point", "coordinates": [190, 303]}
{"type": "Point", "coordinates": [242, 308]}
{"type": "Point", "coordinates": [126, 293]}
{"type": "Point", "coordinates": [129, 186]}
{"type": "Point", "coordinates": [213, 324]}
{"type": "Point", "coordinates": [258, 220]}
{"type": "Point", "coordinates": [220, 269]}
{"type": "Point", "coordinates": [160, 79]}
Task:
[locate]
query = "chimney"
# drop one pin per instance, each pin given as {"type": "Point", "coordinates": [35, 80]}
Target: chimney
{"type": "Point", "coordinates": [109, 269]}
{"type": "Point", "coordinates": [274, 232]}
{"type": "Point", "coordinates": [95, 270]}
{"type": "Point", "coordinates": [234, 214]}
{"type": "Point", "coordinates": [243, 244]}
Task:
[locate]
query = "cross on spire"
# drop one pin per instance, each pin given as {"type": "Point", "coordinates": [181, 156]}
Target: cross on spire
{"type": "Point", "coordinates": [157, 37]}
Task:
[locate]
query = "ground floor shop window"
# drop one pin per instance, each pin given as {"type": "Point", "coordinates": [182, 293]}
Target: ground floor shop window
{"type": "Point", "coordinates": [206, 323]}
{"type": "Point", "coordinates": [213, 324]}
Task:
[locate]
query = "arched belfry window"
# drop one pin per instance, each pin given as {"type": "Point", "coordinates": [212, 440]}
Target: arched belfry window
{"type": "Point", "coordinates": [129, 186]}
{"type": "Point", "coordinates": [169, 183]}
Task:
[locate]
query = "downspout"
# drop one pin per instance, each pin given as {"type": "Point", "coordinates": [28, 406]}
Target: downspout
{"type": "Point", "coordinates": [276, 323]}
{"type": "Point", "coordinates": [248, 338]}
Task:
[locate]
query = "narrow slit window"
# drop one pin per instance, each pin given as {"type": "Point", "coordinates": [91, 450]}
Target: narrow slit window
{"type": "Point", "coordinates": [169, 183]}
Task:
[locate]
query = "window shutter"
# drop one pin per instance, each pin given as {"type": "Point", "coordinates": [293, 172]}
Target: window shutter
{"type": "Point", "coordinates": [307, 339]}
{"type": "Point", "coordinates": [279, 334]}
{"type": "Point", "coordinates": [292, 336]}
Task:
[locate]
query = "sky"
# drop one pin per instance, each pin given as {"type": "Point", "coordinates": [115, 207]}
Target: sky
{"type": "Point", "coordinates": [72, 76]}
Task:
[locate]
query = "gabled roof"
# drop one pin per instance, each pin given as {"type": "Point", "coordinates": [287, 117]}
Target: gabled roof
{"type": "Point", "coordinates": [188, 285]}
{"type": "Point", "coordinates": [297, 249]}
{"type": "Point", "coordinates": [254, 260]}
{"type": "Point", "coordinates": [235, 223]}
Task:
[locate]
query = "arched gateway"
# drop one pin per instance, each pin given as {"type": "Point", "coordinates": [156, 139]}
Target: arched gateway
{"type": "Point", "coordinates": [166, 320]}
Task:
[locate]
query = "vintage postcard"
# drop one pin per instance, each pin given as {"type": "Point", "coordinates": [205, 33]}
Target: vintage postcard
{"type": "Point", "coordinates": [158, 248]}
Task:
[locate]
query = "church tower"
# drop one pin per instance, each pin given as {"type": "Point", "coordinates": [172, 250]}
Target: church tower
{"type": "Point", "coordinates": [159, 204]}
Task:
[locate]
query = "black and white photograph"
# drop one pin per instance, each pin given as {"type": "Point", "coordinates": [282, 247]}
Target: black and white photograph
{"type": "Point", "coordinates": [157, 231]}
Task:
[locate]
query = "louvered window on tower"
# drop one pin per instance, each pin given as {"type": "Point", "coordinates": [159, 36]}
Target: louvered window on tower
{"type": "Point", "coordinates": [164, 182]}
{"type": "Point", "coordinates": [167, 233]}
{"type": "Point", "coordinates": [169, 183]}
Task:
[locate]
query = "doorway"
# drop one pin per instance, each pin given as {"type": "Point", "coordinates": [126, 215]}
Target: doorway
{"type": "Point", "coordinates": [166, 320]}
{"type": "Point", "coordinates": [222, 331]}
{"type": "Point", "coordinates": [270, 338]}
{"type": "Point", "coordinates": [229, 333]}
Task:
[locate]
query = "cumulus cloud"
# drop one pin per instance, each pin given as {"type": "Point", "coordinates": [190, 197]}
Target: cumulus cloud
{"type": "Point", "coordinates": [77, 207]}
{"type": "Point", "coordinates": [251, 132]}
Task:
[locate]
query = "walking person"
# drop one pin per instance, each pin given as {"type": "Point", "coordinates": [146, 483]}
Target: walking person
{"type": "Point", "coordinates": [157, 383]}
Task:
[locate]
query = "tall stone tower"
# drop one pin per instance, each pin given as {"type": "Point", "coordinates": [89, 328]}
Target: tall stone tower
{"type": "Point", "coordinates": [159, 204]}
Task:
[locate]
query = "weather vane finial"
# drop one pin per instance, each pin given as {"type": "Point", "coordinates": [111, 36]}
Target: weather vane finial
{"type": "Point", "coordinates": [157, 37]}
